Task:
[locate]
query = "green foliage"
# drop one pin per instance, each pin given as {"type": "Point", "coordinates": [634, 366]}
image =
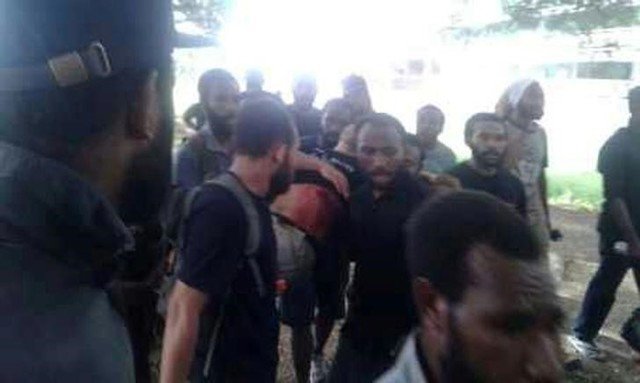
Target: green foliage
{"type": "Point", "coordinates": [206, 13]}
{"type": "Point", "coordinates": [581, 191]}
{"type": "Point", "coordinates": [569, 16]}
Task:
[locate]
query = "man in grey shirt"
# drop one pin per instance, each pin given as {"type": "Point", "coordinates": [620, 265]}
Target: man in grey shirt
{"type": "Point", "coordinates": [438, 158]}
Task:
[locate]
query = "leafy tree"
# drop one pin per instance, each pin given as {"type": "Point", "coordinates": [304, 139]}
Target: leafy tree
{"type": "Point", "coordinates": [205, 13]}
{"type": "Point", "coordinates": [570, 16]}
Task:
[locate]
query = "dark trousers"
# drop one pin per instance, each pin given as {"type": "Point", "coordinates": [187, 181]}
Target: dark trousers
{"type": "Point", "coordinates": [355, 366]}
{"type": "Point", "coordinates": [601, 293]}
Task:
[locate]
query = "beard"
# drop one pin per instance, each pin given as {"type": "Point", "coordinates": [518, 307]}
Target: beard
{"type": "Point", "coordinates": [280, 181]}
{"type": "Point", "coordinates": [221, 126]}
{"type": "Point", "coordinates": [456, 368]}
{"type": "Point", "coordinates": [330, 140]}
{"type": "Point", "coordinates": [490, 159]}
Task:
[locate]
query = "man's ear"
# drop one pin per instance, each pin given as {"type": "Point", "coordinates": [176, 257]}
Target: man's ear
{"type": "Point", "coordinates": [431, 305]}
{"type": "Point", "coordinates": [279, 153]}
{"type": "Point", "coordinates": [143, 118]}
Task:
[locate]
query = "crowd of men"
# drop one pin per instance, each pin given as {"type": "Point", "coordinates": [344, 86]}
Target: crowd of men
{"type": "Point", "coordinates": [278, 214]}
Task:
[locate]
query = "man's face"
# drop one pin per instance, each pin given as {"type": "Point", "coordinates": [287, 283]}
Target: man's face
{"type": "Point", "coordinates": [358, 97]}
{"type": "Point", "coordinates": [531, 105]}
{"type": "Point", "coordinates": [430, 125]}
{"type": "Point", "coordinates": [380, 154]}
{"type": "Point", "coordinates": [412, 159]}
{"type": "Point", "coordinates": [304, 93]}
{"type": "Point", "coordinates": [334, 120]}
{"type": "Point", "coordinates": [221, 105]}
{"type": "Point", "coordinates": [488, 143]}
{"type": "Point", "coordinates": [505, 328]}
{"type": "Point", "coordinates": [634, 105]}
{"type": "Point", "coordinates": [282, 177]}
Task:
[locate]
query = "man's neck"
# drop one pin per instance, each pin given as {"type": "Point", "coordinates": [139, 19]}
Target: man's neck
{"type": "Point", "coordinates": [520, 122]}
{"type": "Point", "coordinates": [486, 171]}
{"type": "Point", "coordinates": [432, 375]}
{"type": "Point", "coordinates": [302, 106]}
{"type": "Point", "coordinates": [634, 123]}
{"type": "Point", "coordinates": [251, 172]}
{"type": "Point", "coordinates": [431, 145]}
{"type": "Point", "coordinates": [224, 140]}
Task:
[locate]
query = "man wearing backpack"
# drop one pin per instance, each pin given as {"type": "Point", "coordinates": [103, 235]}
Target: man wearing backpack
{"type": "Point", "coordinates": [222, 324]}
{"type": "Point", "coordinates": [208, 153]}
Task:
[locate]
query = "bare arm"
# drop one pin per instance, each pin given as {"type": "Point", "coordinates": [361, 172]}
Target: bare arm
{"type": "Point", "coordinates": [544, 195]}
{"type": "Point", "coordinates": [181, 333]}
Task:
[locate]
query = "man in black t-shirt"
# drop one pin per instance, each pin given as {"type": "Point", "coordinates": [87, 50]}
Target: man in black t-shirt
{"type": "Point", "coordinates": [336, 142]}
{"type": "Point", "coordinates": [486, 136]}
{"type": "Point", "coordinates": [306, 117]}
{"type": "Point", "coordinates": [619, 227]}
{"type": "Point", "coordinates": [380, 305]}
{"type": "Point", "coordinates": [217, 283]}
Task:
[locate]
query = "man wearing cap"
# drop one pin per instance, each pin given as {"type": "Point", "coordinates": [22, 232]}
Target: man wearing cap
{"type": "Point", "coordinates": [79, 105]}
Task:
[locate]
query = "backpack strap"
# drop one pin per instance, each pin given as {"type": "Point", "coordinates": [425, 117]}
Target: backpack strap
{"type": "Point", "coordinates": [233, 185]}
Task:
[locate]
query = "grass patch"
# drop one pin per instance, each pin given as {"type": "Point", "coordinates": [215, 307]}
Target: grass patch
{"type": "Point", "coordinates": [581, 191]}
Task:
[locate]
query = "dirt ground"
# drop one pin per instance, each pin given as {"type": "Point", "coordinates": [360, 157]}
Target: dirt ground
{"type": "Point", "coordinates": [575, 259]}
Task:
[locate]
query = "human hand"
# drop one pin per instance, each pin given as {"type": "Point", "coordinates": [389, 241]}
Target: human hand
{"type": "Point", "coordinates": [336, 177]}
{"type": "Point", "coordinates": [556, 235]}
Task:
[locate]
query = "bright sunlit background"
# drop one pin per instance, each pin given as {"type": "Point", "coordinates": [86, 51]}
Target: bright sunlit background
{"type": "Point", "coordinates": [410, 55]}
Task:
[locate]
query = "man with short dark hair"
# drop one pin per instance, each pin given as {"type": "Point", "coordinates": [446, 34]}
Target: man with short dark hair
{"type": "Point", "coordinates": [222, 324]}
{"type": "Point", "coordinates": [208, 153]}
{"type": "Point", "coordinates": [487, 309]}
{"type": "Point", "coordinates": [306, 117]}
{"type": "Point", "coordinates": [355, 91]}
{"type": "Point", "coordinates": [619, 227]}
{"type": "Point", "coordinates": [486, 136]}
{"type": "Point", "coordinates": [438, 158]}
{"type": "Point", "coordinates": [83, 89]}
{"type": "Point", "coordinates": [380, 307]}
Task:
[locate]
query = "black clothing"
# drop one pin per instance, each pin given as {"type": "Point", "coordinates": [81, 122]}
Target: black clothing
{"type": "Point", "coordinates": [619, 164]}
{"type": "Point", "coordinates": [381, 310]}
{"type": "Point", "coordinates": [212, 262]}
{"type": "Point", "coordinates": [308, 121]}
{"type": "Point", "coordinates": [503, 185]}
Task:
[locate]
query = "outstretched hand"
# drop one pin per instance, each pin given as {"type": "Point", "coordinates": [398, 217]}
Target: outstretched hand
{"type": "Point", "coordinates": [336, 177]}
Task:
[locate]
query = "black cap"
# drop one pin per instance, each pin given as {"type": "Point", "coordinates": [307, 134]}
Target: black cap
{"type": "Point", "coordinates": [61, 43]}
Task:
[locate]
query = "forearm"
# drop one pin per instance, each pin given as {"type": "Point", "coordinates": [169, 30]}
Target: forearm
{"type": "Point", "coordinates": [545, 197]}
{"type": "Point", "coordinates": [307, 162]}
{"type": "Point", "coordinates": [180, 337]}
{"type": "Point", "coordinates": [622, 219]}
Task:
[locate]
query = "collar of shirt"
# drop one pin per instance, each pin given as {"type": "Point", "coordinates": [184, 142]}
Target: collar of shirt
{"type": "Point", "coordinates": [57, 210]}
{"type": "Point", "coordinates": [408, 366]}
{"type": "Point", "coordinates": [210, 141]}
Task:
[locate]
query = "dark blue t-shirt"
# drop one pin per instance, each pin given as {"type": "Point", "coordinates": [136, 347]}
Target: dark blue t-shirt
{"type": "Point", "coordinates": [213, 261]}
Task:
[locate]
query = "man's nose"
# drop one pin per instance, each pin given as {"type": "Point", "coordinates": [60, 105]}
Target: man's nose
{"type": "Point", "coordinates": [543, 359]}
